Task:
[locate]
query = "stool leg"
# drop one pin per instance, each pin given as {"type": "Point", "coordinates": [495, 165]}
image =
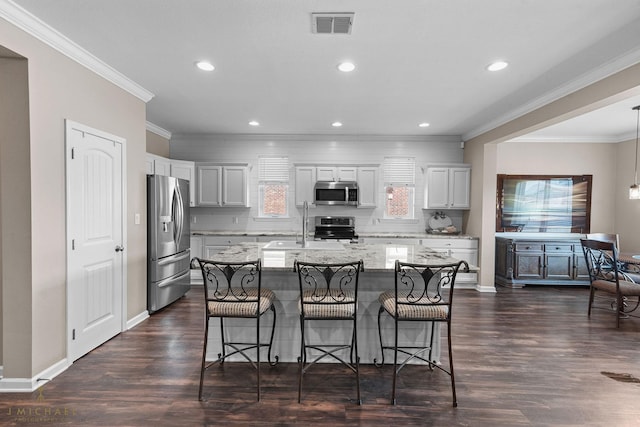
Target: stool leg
{"type": "Point", "coordinates": [354, 344]}
{"type": "Point", "coordinates": [273, 331]}
{"type": "Point", "coordinates": [433, 331]}
{"type": "Point", "coordinates": [301, 359]}
{"type": "Point", "coordinates": [258, 353]}
{"type": "Point", "coordinates": [395, 362]}
{"type": "Point", "coordinates": [222, 355]}
{"type": "Point", "coordinates": [375, 362]}
{"type": "Point", "coordinates": [453, 381]}
{"type": "Point", "coordinates": [204, 356]}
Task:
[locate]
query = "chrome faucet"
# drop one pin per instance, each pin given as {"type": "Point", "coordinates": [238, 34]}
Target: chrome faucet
{"type": "Point", "coordinates": [305, 220]}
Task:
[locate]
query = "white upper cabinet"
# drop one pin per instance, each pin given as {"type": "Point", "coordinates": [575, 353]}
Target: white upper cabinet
{"type": "Point", "coordinates": [305, 179]}
{"type": "Point", "coordinates": [235, 186]}
{"type": "Point", "coordinates": [185, 169]}
{"type": "Point", "coordinates": [158, 165]}
{"type": "Point", "coordinates": [367, 186]}
{"type": "Point", "coordinates": [336, 173]}
{"type": "Point", "coordinates": [447, 187]}
{"type": "Point", "coordinates": [222, 185]}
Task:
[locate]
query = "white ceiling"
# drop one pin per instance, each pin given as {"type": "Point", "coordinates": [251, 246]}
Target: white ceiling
{"type": "Point", "coordinates": [417, 61]}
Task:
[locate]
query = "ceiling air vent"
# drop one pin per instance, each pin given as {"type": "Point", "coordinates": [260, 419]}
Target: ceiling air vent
{"type": "Point", "coordinates": [332, 23]}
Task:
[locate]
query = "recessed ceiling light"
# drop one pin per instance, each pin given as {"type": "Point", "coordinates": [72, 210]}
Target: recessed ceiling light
{"type": "Point", "coordinates": [254, 123]}
{"type": "Point", "coordinates": [497, 66]}
{"type": "Point", "coordinates": [205, 65]}
{"type": "Point", "coordinates": [336, 124]}
{"type": "Point", "coordinates": [346, 67]}
{"type": "Point", "coordinates": [424, 125]}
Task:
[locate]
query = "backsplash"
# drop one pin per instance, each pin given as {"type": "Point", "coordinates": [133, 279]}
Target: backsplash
{"type": "Point", "coordinates": [367, 220]}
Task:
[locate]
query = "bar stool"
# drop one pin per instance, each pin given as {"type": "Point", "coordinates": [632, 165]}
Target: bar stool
{"type": "Point", "coordinates": [234, 290]}
{"type": "Point", "coordinates": [328, 292]}
{"type": "Point", "coordinates": [422, 293]}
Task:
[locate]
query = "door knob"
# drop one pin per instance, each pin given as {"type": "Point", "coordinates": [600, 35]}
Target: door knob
{"type": "Point", "coordinates": [119, 248]}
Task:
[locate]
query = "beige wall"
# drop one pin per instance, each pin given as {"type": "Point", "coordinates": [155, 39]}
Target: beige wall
{"type": "Point", "coordinates": [15, 214]}
{"type": "Point", "coordinates": [61, 89]}
{"type": "Point", "coordinates": [157, 144]}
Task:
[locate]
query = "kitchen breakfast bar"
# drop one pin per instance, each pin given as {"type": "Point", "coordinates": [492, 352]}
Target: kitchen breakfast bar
{"type": "Point", "coordinates": [278, 275]}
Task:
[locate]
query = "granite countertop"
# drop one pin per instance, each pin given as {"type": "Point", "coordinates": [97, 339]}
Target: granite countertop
{"type": "Point", "coordinates": [376, 257]}
{"type": "Point", "coordinates": [384, 235]}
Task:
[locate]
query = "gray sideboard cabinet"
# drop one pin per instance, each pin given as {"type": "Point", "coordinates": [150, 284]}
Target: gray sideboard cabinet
{"type": "Point", "coordinates": [539, 261]}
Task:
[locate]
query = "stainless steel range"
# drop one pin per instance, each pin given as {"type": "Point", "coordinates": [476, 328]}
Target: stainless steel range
{"type": "Point", "coordinates": [335, 228]}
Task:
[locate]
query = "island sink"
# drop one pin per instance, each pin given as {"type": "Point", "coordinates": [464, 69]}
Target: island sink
{"type": "Point", "coordinates": [308, 245]}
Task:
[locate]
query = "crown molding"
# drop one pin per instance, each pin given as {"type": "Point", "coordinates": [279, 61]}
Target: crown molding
{"type": "Point", "coordinates": [319, 137]}
{"type": "Point", "coordinates": [158, 130]}
{"type": "Point", "coordinates": [35, 27]}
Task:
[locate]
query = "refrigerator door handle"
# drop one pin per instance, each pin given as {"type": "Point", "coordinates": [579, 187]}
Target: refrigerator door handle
{"type": "Point", "coordinates": [169, 280]}
{"type": "Point", "coordinates": [178, 224]}
{"type": "Point", "coordinates": [174, 258]}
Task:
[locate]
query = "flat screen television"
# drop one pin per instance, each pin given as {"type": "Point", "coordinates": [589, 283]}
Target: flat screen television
{"type": "Point", "coordinates": [544, 203]}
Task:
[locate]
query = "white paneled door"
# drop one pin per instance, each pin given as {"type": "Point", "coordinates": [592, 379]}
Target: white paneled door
{"type": "Point", "coordinates": [95, 238]}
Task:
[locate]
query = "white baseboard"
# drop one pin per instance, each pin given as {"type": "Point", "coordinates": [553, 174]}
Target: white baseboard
{"type": "Point", "coordinates": [486, 289]}
{"type": "Point", "coordinates": [131, 323]}
{"type": "Point", "coordinates": [28, 385]}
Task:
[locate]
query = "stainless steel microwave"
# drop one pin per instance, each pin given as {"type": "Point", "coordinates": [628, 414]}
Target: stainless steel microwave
{"type": "Point", "coordinates": [336, 193]}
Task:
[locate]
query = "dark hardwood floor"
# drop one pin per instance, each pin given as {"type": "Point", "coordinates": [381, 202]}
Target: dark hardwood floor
{"type": "Point", "coordinates": [523, 357]}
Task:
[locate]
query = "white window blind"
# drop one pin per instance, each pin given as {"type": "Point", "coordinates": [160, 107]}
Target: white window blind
{"type": "Point", "coordinates": [399, 171]}
{"type": "Point", "coordinates": [273, 169]}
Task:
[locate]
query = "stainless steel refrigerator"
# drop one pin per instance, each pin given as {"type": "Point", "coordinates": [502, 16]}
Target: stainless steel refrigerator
{"type": "Point", "coordinates": [168, 274]}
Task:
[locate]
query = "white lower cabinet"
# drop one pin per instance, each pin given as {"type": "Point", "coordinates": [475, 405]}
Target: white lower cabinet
{"type": "Point", "coordinates": [196, 252]}
{"type": "Point", "coordinates": [463, 249]}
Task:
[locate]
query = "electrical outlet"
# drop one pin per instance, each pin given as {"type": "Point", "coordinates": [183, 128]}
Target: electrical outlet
{"type": "Point", "coordinates": [235, 219]}
{"type": "Point", "coordinates": [136, 219]}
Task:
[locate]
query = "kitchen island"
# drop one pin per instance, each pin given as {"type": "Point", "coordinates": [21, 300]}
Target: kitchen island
{"type": "Point", "coordinates": [378, 276]}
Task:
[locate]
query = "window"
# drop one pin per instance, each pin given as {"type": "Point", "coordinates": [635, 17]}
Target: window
{"type": "Point", "coordinates": [273, 187]}
{"type": "Point", "coordinates": [399, 187]}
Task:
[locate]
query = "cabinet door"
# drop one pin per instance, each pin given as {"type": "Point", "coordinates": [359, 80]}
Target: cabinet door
{"type": "Point", "coordinates": [459, 188]}
{"type": "Point", "coordinates": [183, 169]}
{"type": "Point", "coordinates": [326, 173]}
{"type": "Point", "coordinates": [437, 188]}
{"type": "Point", "coordinates": [367, 186]}
{"type": "Point", "coordinates": [559, 266]}
{"type": "Point", "coordinates": [528, 265]}
{"type": "Point", "coordinates": [558, 260]}
{"type": "Point", "coordinates": [235, 186]}
{"type": "Point", "coordinates": [347, 173]}
{"type": "Point", "coordinates": [186, 170]}
{"type": "Point", "coordinates": [209, 185]}
{"type": "Point", "coordinates": [305, 180]}
{"type": "Point", "coordinates": [162, 166]}
{"type": "Point", "coordinates": [149, 166]}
